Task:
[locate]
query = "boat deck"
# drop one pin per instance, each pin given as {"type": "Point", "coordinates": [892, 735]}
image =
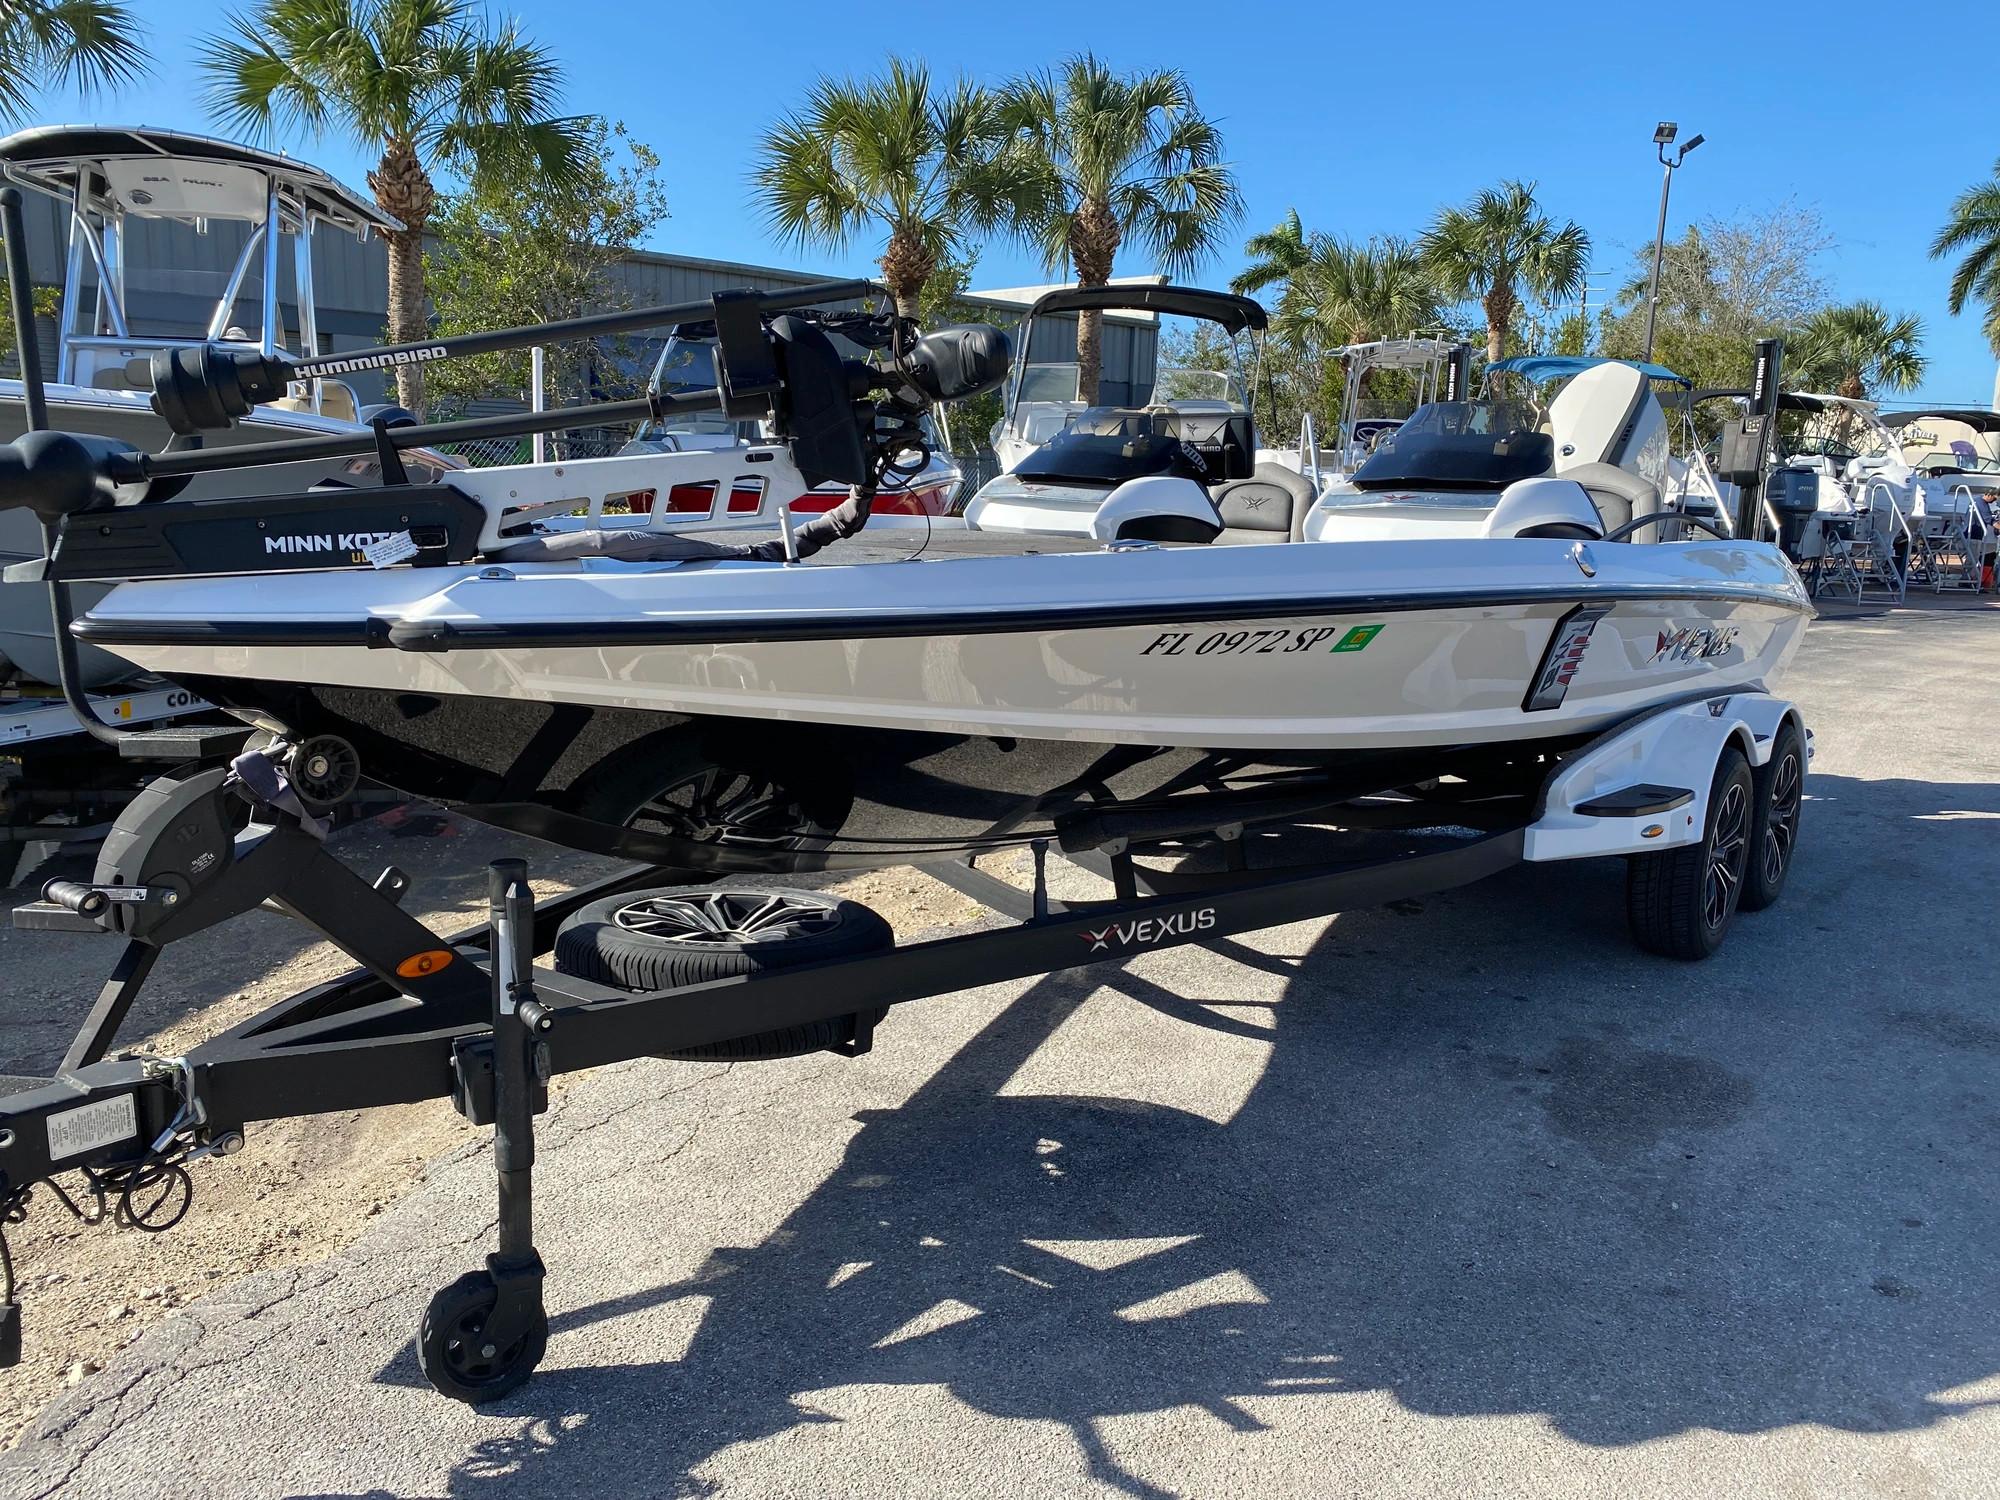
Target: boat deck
{"type": "Point", "coordinates": [907, 542]}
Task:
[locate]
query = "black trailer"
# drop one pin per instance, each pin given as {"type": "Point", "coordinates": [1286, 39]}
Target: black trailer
{"type": "Point", "coordinates": [485, 1019]}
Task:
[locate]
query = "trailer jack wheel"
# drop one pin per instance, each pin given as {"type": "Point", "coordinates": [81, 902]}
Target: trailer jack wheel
{"type": "Point", "coordinates": [483, 1335]}
{"type": "Point", "coordinates": [457, 1342]}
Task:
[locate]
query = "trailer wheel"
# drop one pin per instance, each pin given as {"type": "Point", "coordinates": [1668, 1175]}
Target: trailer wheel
{"type": "Point", "coordinates": [1680, 902]}
{"type": "Point", "coordinates": [1774, 829]}
{"type": "Point", "coordinates": [453, 1356]}
{"type": "Point", "coordinates": [673, 784]}
{"type": "Point", "coordinates": [669, 937]}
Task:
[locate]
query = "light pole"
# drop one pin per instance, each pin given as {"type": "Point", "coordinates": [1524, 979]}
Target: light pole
{"type": "Point", "coordinates": [1663, 137]}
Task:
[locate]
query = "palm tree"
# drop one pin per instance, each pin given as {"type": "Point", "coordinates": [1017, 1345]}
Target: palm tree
{"type": "Point", "coordinates": [1858, 349]}
{"type": "Point", "coordinates": [1275, 254]}
{"type": "Point", "coordinates": [917, 160]}
{"type": "Point", "coordinates": [88, 43]}
{"type": "Point", "coordinates": [1974, 229]}
{"type": "Point", "coordinates": [1347, 293]}
{"type": "Point", "coordinates": [1501, 245]}
{"type": "Point", "coordinates": [427, 82]}
{"type": "Point", "coordinates": [1116, 157]}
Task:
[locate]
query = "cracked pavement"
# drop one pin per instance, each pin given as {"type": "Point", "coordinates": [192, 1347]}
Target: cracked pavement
{"type": "Point", "coordinates": [1464, 1196]}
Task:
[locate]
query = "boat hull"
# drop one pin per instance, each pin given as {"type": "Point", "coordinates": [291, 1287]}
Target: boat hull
{"type": "Point", "coordinates": [990, 684]}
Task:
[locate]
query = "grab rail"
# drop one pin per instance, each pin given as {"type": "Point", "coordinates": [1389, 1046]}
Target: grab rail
{"type": "Point", "coordinates": [1901, 574]}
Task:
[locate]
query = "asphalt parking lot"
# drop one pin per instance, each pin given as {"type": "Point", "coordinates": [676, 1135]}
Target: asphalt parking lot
{"type": "Point", "coordinates": [1463, 1197]}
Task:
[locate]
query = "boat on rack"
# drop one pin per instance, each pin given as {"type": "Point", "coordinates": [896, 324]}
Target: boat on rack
{"type": "Point", "coordinates": [1426, 709]}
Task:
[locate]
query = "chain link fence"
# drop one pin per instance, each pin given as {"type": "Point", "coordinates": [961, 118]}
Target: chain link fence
{"type": "Point", "coordinates": [559, 447]}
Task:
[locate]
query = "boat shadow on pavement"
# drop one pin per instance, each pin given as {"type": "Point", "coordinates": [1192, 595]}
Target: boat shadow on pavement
{"type": "Point", "coordinates": [1497, 1163]}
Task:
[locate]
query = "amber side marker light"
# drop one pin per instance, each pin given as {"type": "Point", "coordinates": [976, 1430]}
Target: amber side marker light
{"type": "Point", "coordinates": [1652, 831]}
{"type": "Point", "coordinates": [417, 965]}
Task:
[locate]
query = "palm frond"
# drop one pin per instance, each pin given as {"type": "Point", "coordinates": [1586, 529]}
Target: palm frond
{"type": "Point", "coordinates": [1974, 227]}
{"type": "Point", "coordinates": [87, 43]}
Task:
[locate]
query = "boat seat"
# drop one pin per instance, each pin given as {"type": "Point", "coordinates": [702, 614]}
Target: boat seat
{"type": "Point", "coordinates": [1269, 506]}
{"type": "Point", "coordinates": [1618, 494]}
{"type": "Point", "coordinates": [336, 400]}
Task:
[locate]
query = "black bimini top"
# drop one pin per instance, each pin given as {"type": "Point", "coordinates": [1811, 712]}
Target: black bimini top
{"type": "Point", "coordinates": [1787, 400]}
{"type": "Point", "coordinates": [1978, 421]}
{"type": "Point", "coordinates": [1234, 313]}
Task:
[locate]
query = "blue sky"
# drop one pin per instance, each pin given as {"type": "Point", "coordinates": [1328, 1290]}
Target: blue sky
{"type": "Point", "coordinates": [1365, 118]}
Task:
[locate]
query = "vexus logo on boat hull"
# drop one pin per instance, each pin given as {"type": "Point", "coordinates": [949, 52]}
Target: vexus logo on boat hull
{"type": "Point", "coordinates": [1143, 932]}
{"type": "Point", "coordinates": [1694, 642]}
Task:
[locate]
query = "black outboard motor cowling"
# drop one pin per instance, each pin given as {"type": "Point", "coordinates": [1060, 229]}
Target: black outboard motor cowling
{"type": "Point", "coordinates": [1794, 495]}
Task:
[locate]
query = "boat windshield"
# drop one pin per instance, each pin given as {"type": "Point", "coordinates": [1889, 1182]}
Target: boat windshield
{"type": "Point", "coordinates": [1198, 385]}
{"type": "Point", "coordinates": [686, 367]}
{"type": "Point", "coordinates": [1959, 461]}
{"type": "Point", "coordinates": [1108, 445]}
{"type": "Point", "coordinates": [1459, 445]}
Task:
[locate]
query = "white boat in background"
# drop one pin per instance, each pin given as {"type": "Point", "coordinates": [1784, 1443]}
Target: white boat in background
{"type": "Point", "coordinates": [1072, 468]}
{"type": "Point", "coordinates": [926, 486]}
{"type": "Point", "coordinates": [1868, 500]}
{"type": "Point", "coordinates": [108, 177]}
{"type": "Point", "coordinates": [1365, 419]}
{"type": "Point", "coordinates": [1956, 449]}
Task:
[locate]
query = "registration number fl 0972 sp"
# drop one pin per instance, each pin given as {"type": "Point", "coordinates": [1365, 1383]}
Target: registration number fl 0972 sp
{"type": "Point", "coordinates": [1282, 640]}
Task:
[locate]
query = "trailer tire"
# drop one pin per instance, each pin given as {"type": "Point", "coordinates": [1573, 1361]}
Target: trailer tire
{"type": "Point", "coordinates": [669, 937]}
{"type": "Point", "coordinates": [1774, 829]}
{"type": "Point", "coordinates": [1680, 902]}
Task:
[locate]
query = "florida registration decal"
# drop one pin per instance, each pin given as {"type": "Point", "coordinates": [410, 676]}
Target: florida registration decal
{"type": "Point", "coordinates": [1276, 640]}
{"type": "Point", "coordinates": [1358, 638]}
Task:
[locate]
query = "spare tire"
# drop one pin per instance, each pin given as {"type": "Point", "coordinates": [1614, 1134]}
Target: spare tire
{"type": "Point", "coordinates": [669, 937]}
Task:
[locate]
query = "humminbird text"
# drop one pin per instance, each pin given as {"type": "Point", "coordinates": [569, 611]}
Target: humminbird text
{"type": "Point", "coordinates": [376, 361]}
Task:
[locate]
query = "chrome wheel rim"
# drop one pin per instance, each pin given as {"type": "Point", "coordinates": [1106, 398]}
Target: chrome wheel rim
{"type": "Point", "coordinates": [720, 806]}
{"type": "Point", "coordinates": [725, 916]}
{"type": "Point", "coordinates": [1726, 849]}
{"type": "Point", "coordinates": [1781, 821]}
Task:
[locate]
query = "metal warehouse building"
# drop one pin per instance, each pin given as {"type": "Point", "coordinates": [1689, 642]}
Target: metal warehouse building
{"type": "Point", "coordinates": [175, 274]}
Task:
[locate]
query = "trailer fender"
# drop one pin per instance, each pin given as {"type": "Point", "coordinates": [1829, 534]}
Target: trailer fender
{"type": "Point", "coordinates": [1644, 786]}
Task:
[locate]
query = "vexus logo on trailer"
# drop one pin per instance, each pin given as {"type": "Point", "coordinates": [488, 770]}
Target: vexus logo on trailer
{"type": "Point", "coordinates": [1145, 931]}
